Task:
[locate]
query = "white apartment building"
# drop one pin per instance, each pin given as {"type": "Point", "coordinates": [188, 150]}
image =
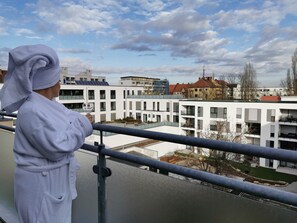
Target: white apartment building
{"type": "Point", "coordinates": [105, 103]}
{"type": "Point", "coordinates": [150, 85]}
{"type": "Point", "coordinates": [261, 91]}
{"type": "Point", "coordinates": [154, 108]}
{"type": "Point", "coordinates": [67, 78]}
{"type": "Point", "coordinates": [264, 124]}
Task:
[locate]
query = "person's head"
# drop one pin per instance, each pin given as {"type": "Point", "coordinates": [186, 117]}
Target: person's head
{"type": "Point", "coordinates": [30, 68]}
{"type": "Point", "coordinates": [50, 92]}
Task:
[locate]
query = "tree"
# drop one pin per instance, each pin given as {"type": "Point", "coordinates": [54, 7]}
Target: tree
{"type": "Point", "coordinates": [232, 78]}
{"type": "Point", "coordinates": [215, 161]}
{"type": "Point", "coordinates": [294, 72]}
{"type": "Point", "coordinates": [248, 83]}
{"type": "Point", "coordinates": [290, 83]}
{"type": "Point", "coordinates": [287, 83]}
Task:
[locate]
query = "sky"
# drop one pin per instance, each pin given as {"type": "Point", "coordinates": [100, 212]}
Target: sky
{"type": "Point", "coordinates": [172, 39]}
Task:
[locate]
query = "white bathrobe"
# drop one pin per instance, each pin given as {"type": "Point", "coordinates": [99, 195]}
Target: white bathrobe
{"type": "Point", "coordinates": [46, 136]}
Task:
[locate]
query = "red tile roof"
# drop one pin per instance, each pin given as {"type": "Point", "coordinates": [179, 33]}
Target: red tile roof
{"type": "Point", "coordinates": [177, 87]}
{"type": "Point", "coordinates": [270, 98]}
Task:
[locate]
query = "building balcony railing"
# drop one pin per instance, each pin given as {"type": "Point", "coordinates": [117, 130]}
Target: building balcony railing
{"type": "Point", "coordinates": [133, 195]}
{"type": "Point", "coordinates": [188, 125]}
{"type": "Point", "coordinates": [71, 97]}
{"type": "Point", "coordinates": [83, 109]}
{"type": "Point", "coordinates": [189, 113]}
{"type": "Point", "coordinates": [290, 118]}
{"type": "Point", "coordinates": [288, 136]}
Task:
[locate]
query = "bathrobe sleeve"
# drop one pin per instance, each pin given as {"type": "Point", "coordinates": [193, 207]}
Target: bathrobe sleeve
{"type": "Point", "coordinates": [54, 138]}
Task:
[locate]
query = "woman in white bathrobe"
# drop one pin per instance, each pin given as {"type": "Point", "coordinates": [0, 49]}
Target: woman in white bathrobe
{"type": "Point", "coordinates": [46, 136]}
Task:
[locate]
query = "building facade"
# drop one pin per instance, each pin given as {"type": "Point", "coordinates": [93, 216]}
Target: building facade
{"type": "Point", "coordinates": [263, 124]}
{"type": "Point", "coordinates": [154, 86]}
{"type": "Point", "coordinates": [105, 103]}
{"type": "Point", "coordinates": [67, 78]}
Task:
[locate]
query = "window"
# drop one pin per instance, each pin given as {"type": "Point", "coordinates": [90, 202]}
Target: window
{"type": "Point", "coordinates": [112, 106]}
{"type": "Point", "coordinates": [272, 130]}
{"type": "Point", "coordinates": [175, 107]}
{"type": "Point", "coordinates": [238, 112]}
{"type": "Point", "coordinates": [225, 113]}
{"type": "Point", "coordinates": [253, 115]}
{"type": "Point", "coordinates": [144, 105]}
{"type": "Point", "coordinates": [138, 105]}
{"type": "Point", "coordinates": [102, 106]}
{"type": "Point", "coordinates": [213, 112]}
{"type": "Point", "coordinates": [200, 111]}
{"type": "Point", "coordinates": [102, 94]}
{"type": "Point", "coordinates": [91, 94]}
{"type": "Point", "coordinates": [200, 124]}
{"type": "Point", "coordinates": [112, 94]}
{"type": "Point", "coordinates": [270, 115]}
{"type": "Point", "coordinates": [154, 106]}
{"type": "Point", "coordinates": [213, 126]}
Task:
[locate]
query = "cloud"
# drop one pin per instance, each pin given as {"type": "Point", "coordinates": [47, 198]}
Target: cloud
{"type": "Point", "coordinates": [71, 18]}
{"type": "Point", "coordinates": [74, 51]}
{"type": "Point", "coordinates": [3, 26]}
{"type": "Point", "coordinates": [75, 65]}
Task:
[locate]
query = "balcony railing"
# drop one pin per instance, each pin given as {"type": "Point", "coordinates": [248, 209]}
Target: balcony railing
{"type": "Point", "coordinates": [188, 112]}
{"type": "Point", "coordinates": [175, 200]}
{"type": "Point", "coordinates": [71, 97]}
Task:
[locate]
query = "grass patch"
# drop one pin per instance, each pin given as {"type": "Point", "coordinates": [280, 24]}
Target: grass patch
{"type": "Point", "coordinates": [264, 173]}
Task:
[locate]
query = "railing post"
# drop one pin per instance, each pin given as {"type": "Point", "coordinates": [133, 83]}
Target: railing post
{"type": "Point", "coordinates": [102, 172]}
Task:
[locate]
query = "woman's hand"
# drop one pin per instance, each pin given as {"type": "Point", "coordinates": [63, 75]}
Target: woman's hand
{"type": "Point", "coordinates": [90, 117]}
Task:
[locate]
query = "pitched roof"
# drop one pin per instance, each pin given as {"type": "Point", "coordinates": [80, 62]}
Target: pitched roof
{"type": "Point", "coordinates": [208, 82]}
{"type": "Point", "coordinates": [177, 87]}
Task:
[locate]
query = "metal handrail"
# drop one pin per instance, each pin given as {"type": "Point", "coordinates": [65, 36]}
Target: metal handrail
{"type": "Point", "coordinates": [265, 152]}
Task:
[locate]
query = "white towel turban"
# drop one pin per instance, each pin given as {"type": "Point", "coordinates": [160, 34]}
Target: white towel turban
{"type": "Point", "coordinates": [30, 67]}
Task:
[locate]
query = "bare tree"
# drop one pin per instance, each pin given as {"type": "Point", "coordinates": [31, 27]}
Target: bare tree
{"type": "Point", "coordinates": [294, 72]}
{"type": "Point", "coordinates": [232, 78]}
{"type": "Point", "coordinates": [287, 83]}
{"type": "Point", "coordinates": [248, 83]}
{"type": "Point", "coordinates": [290, 82]}
{"type": "Point", "coordinates": [214, 160]}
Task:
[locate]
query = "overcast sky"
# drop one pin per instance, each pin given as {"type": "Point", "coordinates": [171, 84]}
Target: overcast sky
{"type": "Point", "coordinates": [171, 39]}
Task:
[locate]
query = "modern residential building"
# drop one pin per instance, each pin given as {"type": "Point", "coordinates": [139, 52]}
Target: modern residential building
{"type": "Point", "coordinates": [154, 108]}
{"type": "Point", "coordinates": [82, 77]}
{"type": "Point", "coordinates": [150, 85]}
{"type": "Point", "coordinates": [105, 103]}
{"type": "Point", "coordinates": [262, 123]}
{"type": "Point", "coordinates": [261, 91]}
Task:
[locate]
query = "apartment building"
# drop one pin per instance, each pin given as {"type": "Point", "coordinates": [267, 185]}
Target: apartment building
{"type": "Point", "coordinates": [154, 86]}
{"type": "Point", "coordinates": [154, 108]}
{"type": "Point", "coordinates": [105, 103]}
{"type": "Point", "coordinates": [262, 123]}
{"type": "Point", "coordinates": [82, 77]}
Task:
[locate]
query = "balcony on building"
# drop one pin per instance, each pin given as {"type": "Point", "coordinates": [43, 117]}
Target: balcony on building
{"type": "Point", "coordinates": [71, 94]}
{"type": "Point", "coordinates": [188, 123]}
{"type": "Point", "coordinates": [188, 111]}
